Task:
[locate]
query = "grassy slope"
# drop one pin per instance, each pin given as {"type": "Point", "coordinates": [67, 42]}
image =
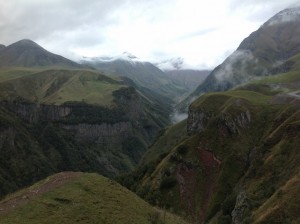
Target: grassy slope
{"type": "Point", "coordinates": [31, 151]}
{"type": "Point", "coordinates": [88, 198]}
{"type": "Point", "coordinates": [272, 133]}
{"type": "Point", "coordinates": [167, 138]}
{"type": "Point", "coordinates": [58, 86]}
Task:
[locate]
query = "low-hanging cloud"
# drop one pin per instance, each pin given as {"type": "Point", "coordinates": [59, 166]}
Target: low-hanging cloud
{"type": "Point", "coordinates": [178, 116]}
{"type": "Point", "coordinates": [242, 58]}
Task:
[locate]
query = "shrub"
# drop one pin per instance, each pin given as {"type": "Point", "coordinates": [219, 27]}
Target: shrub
{"type": "Point", "coordinates": [228, 204]}
{"type": "Point", "coordinates": [182, 149]}
{"type": "Point", "coordinates": [167, 183]}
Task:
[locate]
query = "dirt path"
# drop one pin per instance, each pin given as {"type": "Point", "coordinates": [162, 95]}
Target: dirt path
{"type": "Point", "coordinates": [50, 183]}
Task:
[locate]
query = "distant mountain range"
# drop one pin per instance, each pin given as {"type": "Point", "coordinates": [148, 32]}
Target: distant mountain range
{"type": "Point", "coordinates": [188, 78]}
{"type": "Point", "coordinates": [144, 74]}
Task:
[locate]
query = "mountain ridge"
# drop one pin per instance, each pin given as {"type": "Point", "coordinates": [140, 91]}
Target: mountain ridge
{"type": "Point", "coordinates": [26, 53]}
{"type": "Point", "coordinates": [144, 74]}
{"type": "Point", "coordinates": [257, 55]}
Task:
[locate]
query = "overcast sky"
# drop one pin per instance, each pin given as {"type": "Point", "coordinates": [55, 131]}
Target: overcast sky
{"type": "Point", "coordinates": [201, 32]}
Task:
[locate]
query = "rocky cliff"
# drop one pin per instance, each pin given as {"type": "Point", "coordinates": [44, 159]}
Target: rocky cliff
{"type": "Point", "coordinates": [240, 148]}
{"type": "Point", "coordinates": [43, 139]}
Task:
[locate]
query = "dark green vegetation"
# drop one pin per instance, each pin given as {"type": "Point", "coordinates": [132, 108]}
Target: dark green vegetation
{"type": "Point", "coordinates": [79, 198]}
{"type": "Point", "coordinates": [57, 116]}
{"type": "Point", "coordinates": [267, 51]}
{"type": "Point", "coordinates": [238, 161]}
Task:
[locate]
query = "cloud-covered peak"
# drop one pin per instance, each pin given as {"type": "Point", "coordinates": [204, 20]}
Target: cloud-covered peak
{"type": "Point", "coordinates": [125, 56]}
{"type": "Point", "coordinates": [284, 16]}
{"type": "Point", "coordinates": [171, 64]}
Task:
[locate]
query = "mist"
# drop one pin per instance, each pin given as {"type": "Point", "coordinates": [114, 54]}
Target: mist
{"type": "Point", "coordinates": [177, 117]}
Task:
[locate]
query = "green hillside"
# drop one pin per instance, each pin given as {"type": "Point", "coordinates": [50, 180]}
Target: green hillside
{"type": "Point", "coordinates": [238, 161]}
{"type": "Point", "coordinates": [56, 87]}
{"type": "Point", "coordinates": [69, 119]}
{"type": "Point", "coordinates": [79, 198]}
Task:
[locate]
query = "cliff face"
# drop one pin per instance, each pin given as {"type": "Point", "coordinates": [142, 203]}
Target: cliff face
{"type": "Point", "coordinates": [238, 152]}
{"type": "Point", "coordinates": [33, 113]}
{"type": "Point", "coordinates": [44, 139]}
{"type": "Point", "coordinates": [199, 119]}
{"type": "Point", "coordinates": [96, 133]}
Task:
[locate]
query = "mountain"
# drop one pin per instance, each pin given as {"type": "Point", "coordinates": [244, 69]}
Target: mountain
{"type": "Point", "coordinates": [56, 120]}
{"type": "Point", "coordinates": [70, 197]}
{"type": "Point", "coordinates": [235, 158]}
{"type": "Point", "coordinates": [144, 74]}
{"type": "Point", "coordinates": [188, 78]}
{"type": "Point", "coordinates": [56, 117]}
{"type": "Point", "coordinates": [2, 47]}
{"type": "Point", "coordinates": [258, 55]}
{"type": "Point", "coordinates": [26, 53]}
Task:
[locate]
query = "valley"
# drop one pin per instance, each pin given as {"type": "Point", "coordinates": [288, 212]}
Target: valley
{"type": "Point", "coordinates": [118, 140]}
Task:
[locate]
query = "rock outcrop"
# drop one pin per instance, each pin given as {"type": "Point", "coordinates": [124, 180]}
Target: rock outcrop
{"type": "Point", "coordinates": [198, 120]}
{"type": "Point", "coordinates": [240, 208]}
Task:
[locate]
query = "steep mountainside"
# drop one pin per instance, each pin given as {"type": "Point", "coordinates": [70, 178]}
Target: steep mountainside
{"type": "Point", "coordinates": [143, 74]}
{"type": "Point", "coordinates": [55, 117]}
{"type": "Point", "coordinates": [79, 198]}
{"type": "Point", "coordinates": [238, 162]}
{"type": "Point", "coordinates": [258, 55]}
{"type": "Point", "coordinates": [2, 47]}
{"type": "Point", "coordinates": [188, 78]}
{"type": "Point", "coordinates": [58, 120]}
{"type": "Point", "coordinates": [26, 53]}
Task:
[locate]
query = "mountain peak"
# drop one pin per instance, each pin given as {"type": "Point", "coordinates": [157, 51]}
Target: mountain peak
{"type": "Point", "coordinates": [284, 16]}
{"type": "Point", "coordinates": [25, 43]}
{"type": "Point", "coordinates": [125, 56]}
{"type": "Point", "coordinates": [27, 53]}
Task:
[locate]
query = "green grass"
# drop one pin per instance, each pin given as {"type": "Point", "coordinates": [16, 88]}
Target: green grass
{"type": "Point", "coordinates": [89, 198]}
{"type": "Point", "coordinates": [13, 73]}
{"type": "Point", "coordinates": [89, 91]}
{"type": "Point", "coordinates": [169, 137]}
{"type": "Point", "coordinates": [215, 101]}
{"type": "Point", "coordinates": [283, 206]}
{"type": "Point", "coordinates": [288, 77]}
{"type": "Point", "coordinates": [58, 86]}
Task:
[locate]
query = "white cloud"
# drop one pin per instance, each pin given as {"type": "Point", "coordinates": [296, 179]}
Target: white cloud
{"type": "Point", "coordinates": [201, 32]}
